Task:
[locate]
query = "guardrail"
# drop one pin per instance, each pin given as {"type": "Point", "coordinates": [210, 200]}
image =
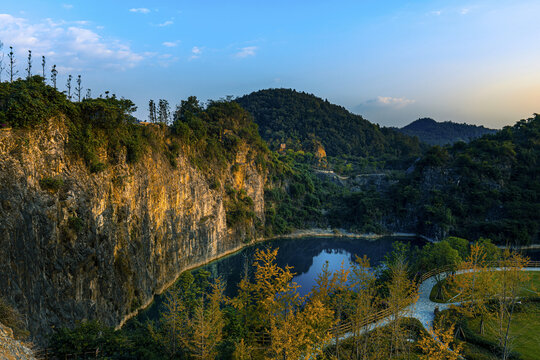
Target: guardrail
{"type": "Point", "coordinates": [347, 326]}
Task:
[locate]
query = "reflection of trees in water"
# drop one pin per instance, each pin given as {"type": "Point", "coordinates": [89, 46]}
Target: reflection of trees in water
{"type": "Point", "coordinates": [298, 253]}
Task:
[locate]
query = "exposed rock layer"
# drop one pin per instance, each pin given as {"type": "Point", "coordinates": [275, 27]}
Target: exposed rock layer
{"type": "Point", "coordinates": [100, 245]}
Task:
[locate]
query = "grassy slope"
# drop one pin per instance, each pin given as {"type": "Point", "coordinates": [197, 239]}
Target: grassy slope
{"type": "Point", "coordinates": [524, 329]}
{"type": "Point", "coordinates": [531, 290]}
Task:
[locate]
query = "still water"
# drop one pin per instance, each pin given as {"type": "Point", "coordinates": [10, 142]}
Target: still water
{"type": "Point", "coordinates": [306, 255]}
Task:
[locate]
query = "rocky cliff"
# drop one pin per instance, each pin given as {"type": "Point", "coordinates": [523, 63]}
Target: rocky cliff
{"type": "Point", "coordinates": [78, 245]}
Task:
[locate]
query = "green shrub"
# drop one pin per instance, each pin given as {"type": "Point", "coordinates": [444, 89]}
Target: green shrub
{"type": "Point", "coordinates": [50, 183]}
{"type": "Point", "coordinates": [75, 223]}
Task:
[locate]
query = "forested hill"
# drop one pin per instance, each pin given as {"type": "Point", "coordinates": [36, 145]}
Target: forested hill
{"type": "Point", "coordinates": [489, 187]}
{"type": "Point", "coordinates": [444, 133]}
{"type": "Point", "coordinates": [299, 120]}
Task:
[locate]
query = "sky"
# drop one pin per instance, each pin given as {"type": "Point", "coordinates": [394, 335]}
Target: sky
{"type": "Point", "coordinates": [390, 61]}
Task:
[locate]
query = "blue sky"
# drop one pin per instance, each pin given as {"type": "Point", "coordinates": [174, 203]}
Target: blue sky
{"type": "Point", "coordinates": [390, 61]}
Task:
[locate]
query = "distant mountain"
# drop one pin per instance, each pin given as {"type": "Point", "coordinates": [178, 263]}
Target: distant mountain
{"type": "Point", "coordinates": [443, 133]}
{"type": "Point", "coordinates": [298, 120]}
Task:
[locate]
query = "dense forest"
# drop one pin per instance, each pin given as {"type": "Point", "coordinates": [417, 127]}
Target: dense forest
{"type": "Point", "coordinates": [301, 121]}
{"type": "Point", "coordinates": [489, 187]}
{"type": "Point", "coordinates": [444, 133]}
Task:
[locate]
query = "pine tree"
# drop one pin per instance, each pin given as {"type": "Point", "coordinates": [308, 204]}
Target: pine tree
{"type": "Point", "coordinates": [29, 66]}
{"type": "Point", "coordinates": [88, 94]}
{"type": "Point", "coordinates": [163, 111]}
{"type": "Point", "coordinates": [54, 74]}
{"type": "Point", "coordinates": [152, 112]}
{"type": "Point", "coordinates": [12, 61]}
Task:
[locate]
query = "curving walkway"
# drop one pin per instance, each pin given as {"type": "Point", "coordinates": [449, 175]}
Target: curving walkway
{"type": "Point", "coordinates": [424, 309]}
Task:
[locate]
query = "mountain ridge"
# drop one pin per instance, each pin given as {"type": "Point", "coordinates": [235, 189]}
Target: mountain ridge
{"type": "Point", "coordinates": [444, 133]}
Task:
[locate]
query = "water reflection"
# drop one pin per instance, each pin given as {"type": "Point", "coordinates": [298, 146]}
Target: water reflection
{"type": "Point", "coordinates": [307, 257]}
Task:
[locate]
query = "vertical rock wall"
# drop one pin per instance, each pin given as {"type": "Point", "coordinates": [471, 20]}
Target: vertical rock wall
{"type": "Point", "coordinates": [100, 245]}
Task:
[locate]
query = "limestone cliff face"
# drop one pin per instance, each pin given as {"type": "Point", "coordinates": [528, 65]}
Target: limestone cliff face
{"type": "Point", "coordinates": [100, 245]}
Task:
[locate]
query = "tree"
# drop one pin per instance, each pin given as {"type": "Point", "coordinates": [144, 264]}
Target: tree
{"type": "Point", "coordinates": [242, 351]}
{"type": "Point", "coordinates": [88, 94]}
{"type": "Point", "coordinates": [473, 284]}
{"type": "Point", "coordinates": [174, 322]}
{"type": "Point", "coordinates": [332, 289]}
{"type": "Point", "coordinates": [302, 333]}
{"type": "Point", "coordinates": [43, 66]}
{"type": "Point", "coordinates": [363, 304]}
{"type": "Point", "coordinates": [459, 244]}
{"type": "Point", "coordinates": [163, 111]}
{"type": "Point", "coordinates": [439, 255]}
{"type": "Point", "coordinates": [401, 293]}
{"type": "Point", "coordinates": [68, 86]}
{"type": "Point", "coordinates": [509, 281]}
{"type": "Point", "coordinates": [207, 324]}
{"type": "Point", "coordinates": [152, 112]}
{"type": "Point", "coordinates": [187, 109]}
{"type": "Point", "coordinates": [12, 71]}
{"type": "Point", "coordinates": [271, 294]}
{"type": "Point", "coordinates": [54, 74]}
{"type": "Point", "coordinates": [29, 66]}
{"type": "Point", "coordinates": [78, 88]}
{"type": "Point", "coordinates": [439, 343]}
{"type": "Point", "coordinates": [2, 66]}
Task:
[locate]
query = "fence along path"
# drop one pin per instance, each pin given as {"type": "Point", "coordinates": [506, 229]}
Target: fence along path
{"type": "Point", "coordinates": [343, 329]}
{"type": "Point", "coordinates": [379, 317]}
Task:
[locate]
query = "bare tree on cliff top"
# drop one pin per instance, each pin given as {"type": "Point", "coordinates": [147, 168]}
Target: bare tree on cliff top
{"type": "Point", "coordinates": [29, 66]}
{"type": "Point", "coordinates": [12, 71]}
{"type": "Point", "coordinates": [68, 86]}
{"type": "Point", "coordinates": [54, 74]}
{"type": "Point", "coordinates": [43, 66]}
{"type": "Point", "coordinates": [2, 66]}
{"type": "Point", "coordinates": [78, 88]}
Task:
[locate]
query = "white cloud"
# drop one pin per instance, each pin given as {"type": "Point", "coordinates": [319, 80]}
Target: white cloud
{"type": "Point", "coordinates": [196, 52]}
{"type": "Point", "coordinates": [67, 6]}
{"type": "Point", "coordinates": [68, 43]}
{"type": "Point", "coordinates": [436, 12]}
{"type": "Point", "coordinates": [246, 51]}
{"type": "Point", "coordinates": [140, 10]}
{"type": "Point", "coordinates": [171, 43]}
{"type": "Point", "coordinates": [166, 23]}
{"type": "Point", "coordinates": [392, 101]}
{"type": "Point", "coordinates": [465, 11]}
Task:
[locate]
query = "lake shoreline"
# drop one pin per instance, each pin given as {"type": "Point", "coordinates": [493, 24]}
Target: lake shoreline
{"type": "Point", "coordinates": [297, 234]}
{"type": "Point", "coordinates": [318, 232]}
